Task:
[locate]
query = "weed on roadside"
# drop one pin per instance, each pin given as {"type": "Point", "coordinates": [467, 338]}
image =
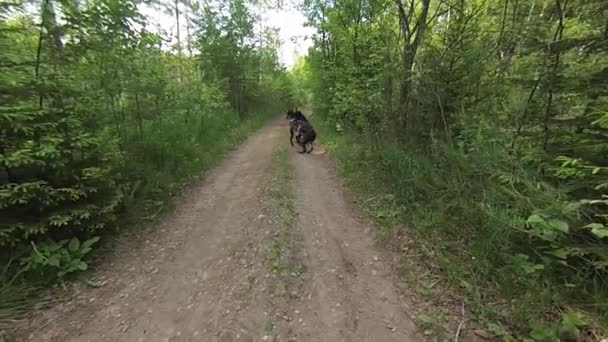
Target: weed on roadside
{"type": "Point", "coordinates": [455, 240]}
{"type": "Point", "coordinates": [283, 252]}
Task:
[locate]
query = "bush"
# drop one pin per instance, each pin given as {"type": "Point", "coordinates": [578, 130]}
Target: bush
{"type": "Point", "coordinates": [58, 259]}
{"type": "Point", "coordinates": [492, 222]}
{"type": "Point", "coordinates": [58, 179]}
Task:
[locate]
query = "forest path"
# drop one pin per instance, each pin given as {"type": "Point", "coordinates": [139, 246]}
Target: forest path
{"type": "Point", "coordinates": [229, 265]}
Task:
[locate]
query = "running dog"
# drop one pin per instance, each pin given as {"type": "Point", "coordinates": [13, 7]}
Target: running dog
{"type": "Point", "coordinates": [302, 129]}
{"type": "Point", "coordinates": [305, 135]}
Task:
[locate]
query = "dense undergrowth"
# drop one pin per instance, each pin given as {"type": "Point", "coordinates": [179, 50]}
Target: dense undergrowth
{"type": "Point", "coordinates": [476, 231]}
{"type": "Point", "coordinates": [482, 126]}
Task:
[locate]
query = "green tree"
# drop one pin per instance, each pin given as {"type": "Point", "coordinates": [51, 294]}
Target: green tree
{"type": "Point", "coordinates": [485, 117]}
{"type": "Point", "coordinates": [98, 119]}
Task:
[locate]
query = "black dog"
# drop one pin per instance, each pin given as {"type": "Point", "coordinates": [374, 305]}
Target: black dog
{"type": "Point", "coordinates": [302, 129]}
{"type": "Point", "coordinates": [296, 115]}
{"type": "Point", "coordinates": [305, 135]}
{"type": "Point", "coordinates": [295, 118]}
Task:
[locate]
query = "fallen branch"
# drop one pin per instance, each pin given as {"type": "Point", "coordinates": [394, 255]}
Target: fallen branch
{"type": "Point", "coordinates": [461, 324]}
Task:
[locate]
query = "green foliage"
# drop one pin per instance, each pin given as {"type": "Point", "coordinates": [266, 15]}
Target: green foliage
{"type": "Point", "coordinates": [477, 227]}
{"type": "Point", "coordinates": [483, 125]}
{"type": "Point", "coordinates": [38, 196]}
{"type": "Point", "coordinates": [102, 121]}
{"type": "Point", "coordinates": [16, 297]}
{"type": "Point", "coordinates": [97, 117]}
{"type": "Point", "coordinates": [58, 258]}
{"type": "Point", "coordinates": [569, 327]}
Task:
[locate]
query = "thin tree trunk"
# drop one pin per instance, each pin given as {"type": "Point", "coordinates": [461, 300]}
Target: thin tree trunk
{"type": "Point", "coordinates": [139, 119]}
{"type": "Point", "coordinates": [531, 11]}
{"type": "Point", "coordinates": [188, 38]}
{"type": "Point", "coordinates": [356, 36]}
{"type": "Point", "coordinates": [559, 31]}
{"type": "Point", "coordinates": [410, 48]}
{"type": "Point", "coordinates": [116, 122]}
{"type": "Point", "coordinates": [179, 43]}
{"type": "Point", "coordinates": [39, 48]}
{"type": "Point", "coordinates": [503, 23]}
{"type": "Point", "coordinates": [524, 115]}
{"type": "Point", "coordinates": [9, 174]}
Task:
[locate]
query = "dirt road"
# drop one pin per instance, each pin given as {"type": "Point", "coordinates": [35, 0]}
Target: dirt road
{"type": "Point", "coordinates": [211, 270]}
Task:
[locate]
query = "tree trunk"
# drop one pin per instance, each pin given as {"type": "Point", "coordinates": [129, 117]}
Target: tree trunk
{"type": "Point", "coordinates": [552, 73]}
{"type": "Point", "coordinates": [139, 119]}
{"type": "Point", "coordinates": [411, 42]}
{"type": "Point", "coordinates": [39, 48]}
{"type": "Point", "coordinates": [188, 39]}
{"type": "Point", "coordinates": [179, 42]}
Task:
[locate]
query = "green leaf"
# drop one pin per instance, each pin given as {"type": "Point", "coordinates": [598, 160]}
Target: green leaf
{"type": "Point", "coordinates": [601, 186]}
{"type": "Point", "coordinates": [541, 332]}
{"type": "Point", "coordinates": [74, 245]}
{"type": "Point", "coordinates": [82, 266]}
{"type": "Point", "coordinates": [53, 261]}
{"type": "Point", "coordinates": [559, 225]}
{"type": "Point", "coordinates": [90, 242]}
{"type": "Point", "coordinates": [598, 229]}
{"type": "Point", "coordinates": [570, 324]}
{"type": "Point", "coordinates": [84, 251]}
{"type": "Point", "coordinates": [426, 319]}
{"type": "Point", "coordinates": [535, 218]}
{"type": "Point", "coordinates": [562, 253]}
{"type": "Point", "coordinates": [573, 319]}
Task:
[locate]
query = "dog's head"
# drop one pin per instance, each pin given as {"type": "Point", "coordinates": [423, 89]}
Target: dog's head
{"type": "Point", "coordinates": [290, 114]}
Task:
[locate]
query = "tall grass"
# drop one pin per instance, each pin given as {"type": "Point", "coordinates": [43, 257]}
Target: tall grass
{"type": "Point", "coordinates": [470, 209]}
{"type": "Point", "coordinates": [16, 297]}
{"type": "Point", "coordinates": [172, 151]}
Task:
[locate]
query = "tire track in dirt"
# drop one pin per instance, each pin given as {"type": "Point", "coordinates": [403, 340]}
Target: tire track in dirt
{"type": "Point", "coordinates": [348, 289]}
